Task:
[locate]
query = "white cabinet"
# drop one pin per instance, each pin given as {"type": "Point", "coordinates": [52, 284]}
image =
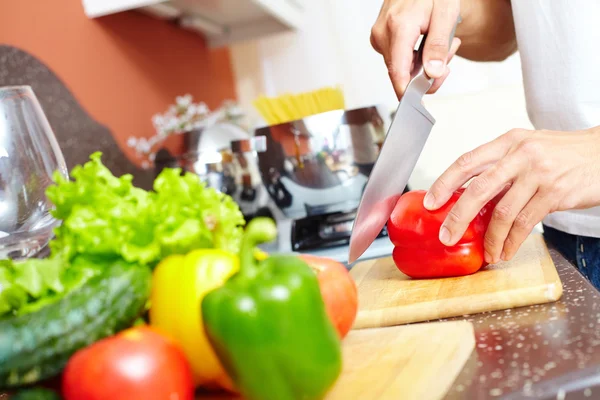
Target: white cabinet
{"type": "Point", "coordinates": [222, 22]}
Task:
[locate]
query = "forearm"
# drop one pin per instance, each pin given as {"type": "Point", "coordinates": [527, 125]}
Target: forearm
{"type": "Point", "coordinates": [487, 31]}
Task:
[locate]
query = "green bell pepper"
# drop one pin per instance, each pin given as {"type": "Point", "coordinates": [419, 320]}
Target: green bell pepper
{"type": "Point", "coordinates": [268, 325]}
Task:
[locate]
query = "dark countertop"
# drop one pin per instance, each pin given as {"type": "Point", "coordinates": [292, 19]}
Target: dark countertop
{"type": "Point", "coordinates": [549, 351]}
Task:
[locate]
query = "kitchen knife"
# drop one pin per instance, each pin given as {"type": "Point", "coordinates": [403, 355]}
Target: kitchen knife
{"type": "Point", "coordinates": [401, 149]}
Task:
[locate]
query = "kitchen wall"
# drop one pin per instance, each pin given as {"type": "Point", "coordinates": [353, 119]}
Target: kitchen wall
{"type": "Point", "coordinates": [122, 68]}
{"type": "Point", "coordinates": [477, 102]}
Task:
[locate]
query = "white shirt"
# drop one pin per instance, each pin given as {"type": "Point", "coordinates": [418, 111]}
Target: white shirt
{"type": "Point", "coordinates": [558, 43]}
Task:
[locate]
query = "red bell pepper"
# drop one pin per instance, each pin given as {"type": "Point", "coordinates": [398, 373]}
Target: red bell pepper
{"type": "Point", "coordinates": [418, 252]}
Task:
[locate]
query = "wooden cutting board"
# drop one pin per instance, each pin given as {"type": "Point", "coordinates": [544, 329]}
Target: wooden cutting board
{"type": "Point", "coordinates": [411, 362]}
{"type": "Point", "coordinates": [388, 297]}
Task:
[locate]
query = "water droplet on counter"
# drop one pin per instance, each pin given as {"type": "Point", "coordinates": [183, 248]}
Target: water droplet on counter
{"type": "Point", "coordinates": [550, 366]}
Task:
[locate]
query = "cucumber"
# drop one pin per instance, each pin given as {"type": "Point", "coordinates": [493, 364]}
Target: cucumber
{"type": "Point", "coordinates": [35, 394]}
{"type": "Point", "coordinates": [37, 346]}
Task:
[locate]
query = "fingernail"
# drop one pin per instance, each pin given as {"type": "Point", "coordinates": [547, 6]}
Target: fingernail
{"type": "Point", "coordinates": [435, 68]}
{"type": "Point", "coordinates": [444, 235]}
{"type": "Point", "coordinates": [503, 256]}
{"type": "Point", "coordinates": [488, 258]}
{"type": "Point", "coordinates": [429, 201]}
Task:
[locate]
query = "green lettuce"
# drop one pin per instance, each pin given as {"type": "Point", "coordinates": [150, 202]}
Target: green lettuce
{"type": "Point", "coordinates": [27, 286]}
{"type": "Point", "coordinates": [106, 218]}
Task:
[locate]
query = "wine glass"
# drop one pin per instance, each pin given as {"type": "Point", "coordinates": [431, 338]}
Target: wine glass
{"type": "Point", "coordinates": [29, 156]}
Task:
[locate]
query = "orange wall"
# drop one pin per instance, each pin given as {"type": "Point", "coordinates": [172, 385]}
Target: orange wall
{"type": "Point", "coordinates": [122, 68]}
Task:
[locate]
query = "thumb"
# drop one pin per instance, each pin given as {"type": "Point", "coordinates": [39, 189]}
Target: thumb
{"type": "Point", "coordinates": [437, 43]}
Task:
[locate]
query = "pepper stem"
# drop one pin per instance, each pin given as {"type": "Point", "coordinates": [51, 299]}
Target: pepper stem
{"type": "Point", "coordinates": [259, 230]}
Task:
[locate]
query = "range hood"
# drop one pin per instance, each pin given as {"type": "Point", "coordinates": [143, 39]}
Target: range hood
{"type": "Point", "coordinates": [222, 22]}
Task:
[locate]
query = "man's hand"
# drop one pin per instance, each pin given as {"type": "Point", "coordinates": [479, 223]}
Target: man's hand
{"type": "Point", "coordinates": [397, 30]}
{"type": "Point", "coordinates": [486, 33]}
{"type": "Point", "coordinates": [530, 174]}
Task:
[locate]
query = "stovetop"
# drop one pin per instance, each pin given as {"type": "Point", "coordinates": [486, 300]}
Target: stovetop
{"type": "Point", "coordinates": [326, 239]}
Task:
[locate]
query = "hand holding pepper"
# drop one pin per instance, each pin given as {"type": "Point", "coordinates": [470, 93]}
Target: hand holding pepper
{"type": "Point", "coordinates": [418, 251]}
{"type": "Point", "coordinates": [531, 173]}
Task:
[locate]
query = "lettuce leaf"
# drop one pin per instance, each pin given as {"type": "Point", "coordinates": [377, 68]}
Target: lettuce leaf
{"type": "Point", "coordinates": [107, 216]}
{"type": "Point", "coordinates": [28, 285]}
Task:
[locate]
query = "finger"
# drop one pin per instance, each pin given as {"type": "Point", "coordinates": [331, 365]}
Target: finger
{"type": "Point", "coordinates": [378, 31]}
{"type": "Point", "coordinates": [403, 35]}
{"type": "Point", "coordinates": [534, 212]}
{"type": "Point", "coordinates": [466, 167]}
{"type": "Point", "coordinates": [479, 192]}
{"type": "Point", "coordinates": [437, 43]}
{"type": "Point", "coordinates": [504, 215]}
{"type": "Point", "coordinates": [375, 43]}
{"type": "Point", "coordinates": [456, 42]}
{"type": "Point", "coordinates": [437, 83]}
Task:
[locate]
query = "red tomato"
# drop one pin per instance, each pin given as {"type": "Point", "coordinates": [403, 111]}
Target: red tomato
{"type": "Point", "coordinates": [418, 252]}
{"type": "Point", "coordinates": [338, 290]}
{"type": "Point", "coordinates": [138, 363]}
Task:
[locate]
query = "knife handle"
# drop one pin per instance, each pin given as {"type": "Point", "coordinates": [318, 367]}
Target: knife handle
{"type": "Point", "coordinates": [458, 21]}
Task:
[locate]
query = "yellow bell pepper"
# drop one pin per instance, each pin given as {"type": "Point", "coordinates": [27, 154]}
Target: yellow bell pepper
{"type": "Point", "coordinates": [179, 284]}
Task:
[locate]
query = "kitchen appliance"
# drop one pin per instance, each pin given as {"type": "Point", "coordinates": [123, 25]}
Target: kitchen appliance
{"type": "Point", "coordinates": [225, 157]}
{"type": "Point", "coordinates": [315, 170]}
{"type": "Point", "coordinates": [388, 297]}
{"type": "Point", "coordinates": [403, 146]}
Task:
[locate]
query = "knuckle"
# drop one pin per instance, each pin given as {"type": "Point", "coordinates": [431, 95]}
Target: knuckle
{"type": "Point", "coordinates": [390, 67]}
{"type": "Point", "coordinates": [394, 22]}
{"type": "Point", "coordinates": [523, 221]}
{"type": "Point", "coordinates": [496, 172]}
{"type": "Point", "coordinates": [478, 186]}
{"type": "Point", "coordinates": [569, 202]}
{"type": "Point", "coordinates": [375, 38]}
{"type": "Point", "coordinates": [543, 165]}
{"type": "Point", "coordinates": [465, 160]}
{"type": "Point", "coordinates": [489, 241]}
{"type": "Point", "coordinates": [453, 216]}
{"type": "Point", "coordinates": [509, 243]}
{"type": "Point", "coordinates": [515, 133]}
{"type": "Point", "coordinates": [396, 74]}
{"type": "Point", "coordinates": [378, 32]}
{"type": "Point", "coordinates": [502, 213]}
{"type": "Point", "coordinates": [437, 44]}
{"type": "Point", "coordinates": [560, 187]}
{"type": "Point", "coordinates": [531, 147]}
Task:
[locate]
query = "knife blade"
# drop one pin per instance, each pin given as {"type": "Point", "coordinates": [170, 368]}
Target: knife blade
{"type": "Point", "coordinates": [398, 156]}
